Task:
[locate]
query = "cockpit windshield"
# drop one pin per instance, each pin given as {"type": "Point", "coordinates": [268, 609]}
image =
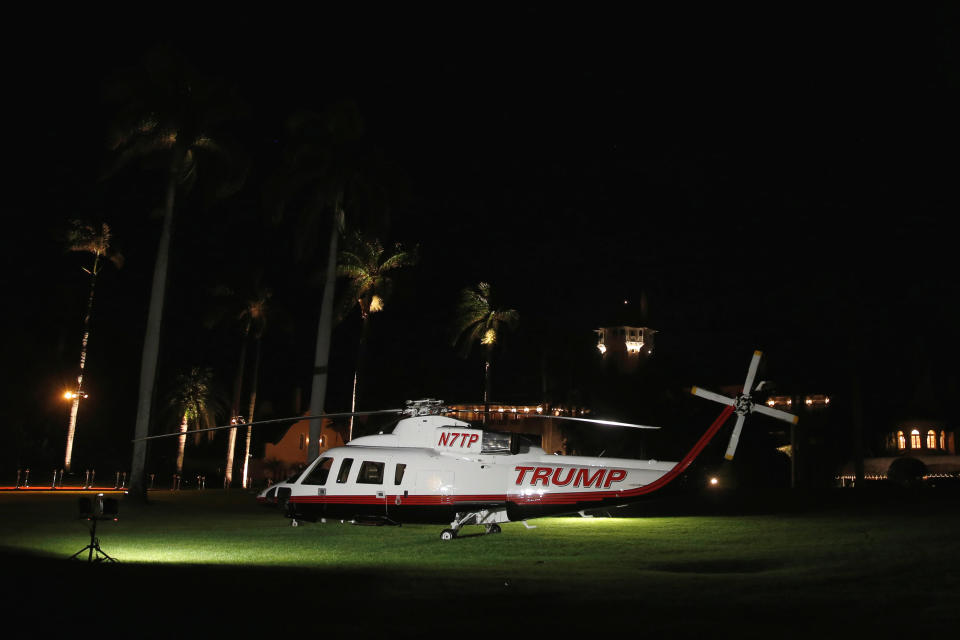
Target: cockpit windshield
{"type": "Point", "coordinates": [495, 442]}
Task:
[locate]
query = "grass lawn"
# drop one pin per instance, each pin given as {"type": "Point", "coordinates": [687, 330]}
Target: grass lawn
{"type": "Point", "coordinates": [193, 561]}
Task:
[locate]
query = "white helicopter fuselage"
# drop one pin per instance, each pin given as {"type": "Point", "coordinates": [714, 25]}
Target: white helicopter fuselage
{"type": "Point", "coordinates": [436, 469]}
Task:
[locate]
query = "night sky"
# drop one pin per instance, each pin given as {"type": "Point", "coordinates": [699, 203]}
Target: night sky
{"type": "Point", "coordinates": [779, 181]}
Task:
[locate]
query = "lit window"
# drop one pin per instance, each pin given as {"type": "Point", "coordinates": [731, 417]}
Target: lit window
{"type": "Point", "coordinates": [901, 440]}
{"type": "Point", "coordinates": [931, 439]}
{"type": "Point", "coordinates": [943, 440]}
{"type": "Point", "coordinates": [914, 439]}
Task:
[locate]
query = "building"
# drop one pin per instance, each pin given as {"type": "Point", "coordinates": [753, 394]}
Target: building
{"type": "Point", "coordinates": [625, 347]}
{"type": "Point", "coordinates": [289, 455]}
{"type": "Point", "coordinates": [916, 450]}
{"type": "Point", "coordinates": [529, 420]}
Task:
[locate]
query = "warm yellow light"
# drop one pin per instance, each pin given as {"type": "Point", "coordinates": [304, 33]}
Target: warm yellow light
{"type": "Point", "coordinates": [68, 395]}
{"type": "Point", "coordinates": [770, 403]}
{"type": "Point", "coordinates": [809, 400]}
{"type": "Point", "coordinates": [602, 347]}
{"type": "Point", "coordinates": [489, 337]}
{"type": "Point", "coordinates": [827, 400]}
{"type": "Point", "coordinates": [376, 304]}
{"type": "Point", "coordinates": [539, 409]}
{"type": "Point", "coordinates": [714, 482]}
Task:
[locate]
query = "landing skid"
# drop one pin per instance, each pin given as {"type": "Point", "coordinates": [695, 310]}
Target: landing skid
{"type": "Point", "coordinates": [485, 518]}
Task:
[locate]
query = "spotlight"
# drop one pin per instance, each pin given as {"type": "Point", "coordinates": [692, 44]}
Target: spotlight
{"type": "Point", "coordinates": [94, 510]}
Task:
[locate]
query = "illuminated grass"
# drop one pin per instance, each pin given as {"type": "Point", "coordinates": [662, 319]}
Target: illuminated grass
{"type": "Point", "coordinates": [855, 567]}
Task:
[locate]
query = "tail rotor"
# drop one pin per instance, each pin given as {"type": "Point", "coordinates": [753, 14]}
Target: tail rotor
{"type": "Point", "coordinates": [744, 405]}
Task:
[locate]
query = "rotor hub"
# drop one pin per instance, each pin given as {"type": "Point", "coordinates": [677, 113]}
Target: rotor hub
{"type": "Point", "coordinates": [742, 404]}
{"type": "Point", "coordinates": [427, 407]}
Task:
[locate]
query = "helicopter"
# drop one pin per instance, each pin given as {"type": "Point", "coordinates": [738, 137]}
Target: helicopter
{"type": "Point", "coordinates": [433, 468]}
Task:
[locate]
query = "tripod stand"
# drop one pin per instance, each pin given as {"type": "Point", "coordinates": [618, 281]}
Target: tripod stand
{"type": "Point", "coordinates": [94, 545]}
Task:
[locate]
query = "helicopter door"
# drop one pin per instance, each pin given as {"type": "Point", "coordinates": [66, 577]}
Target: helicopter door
{"type": "Point", "coordinates": [399, 486]}
{"type": "Point", "coordinates": [317, 479]}
{"type": "Point", "coordinates": [372, 473]}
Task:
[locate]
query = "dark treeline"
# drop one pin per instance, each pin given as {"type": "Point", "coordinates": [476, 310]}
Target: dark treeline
{"type": "Point", "coordinates": [768, 196]}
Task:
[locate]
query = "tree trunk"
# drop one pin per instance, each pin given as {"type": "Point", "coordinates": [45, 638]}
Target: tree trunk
{"type": "Point", "coordinates": [234, 409]}
{"type": "Point", "coordinates": [487, 375]}
{"type": "Point", "coordinates": [318, 388]}
{"type": "Point", "coordinates": [75, 407]}
{"type": "Point", "coordinates": [151, 341]}
{"type": "Point", "coordinates": [361, 353]}
{"type": "Point", "coordinates": [182, 444]}
{"type": "Point", "coordinates": [253, 403]}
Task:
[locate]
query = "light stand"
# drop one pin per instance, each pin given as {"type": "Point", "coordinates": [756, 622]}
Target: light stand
{"type": "Point", "coordinates": [94, 511]}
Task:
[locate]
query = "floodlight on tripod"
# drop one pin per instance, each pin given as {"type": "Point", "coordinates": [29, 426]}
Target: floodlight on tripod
{"type": "Point", "coordinates": [94, 510]}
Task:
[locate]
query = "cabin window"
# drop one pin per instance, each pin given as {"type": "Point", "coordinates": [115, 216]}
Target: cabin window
{"type": "Point", "coordinates": [398, 473]}
{"type": "Point", "coordinates": [931, 439]}
{"type": "Point", "coordinates": [901, 440]}
{"type": "Point", "coordinates": [319, 473]}
{"type": "Point", "coordinates": [344, 470]}
{"type": "Point", "coordinates": [914, 439]}
{"type": "Point", "coordinates": [371, 472]}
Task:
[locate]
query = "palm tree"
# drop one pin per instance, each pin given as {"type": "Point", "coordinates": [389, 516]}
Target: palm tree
{"type": "Point", "coordinates": [86, 237]}
{"type": "Point", "coordinates": [478, 320]}
{"type": "Point", "coordinates": [369, 284]}
{"type": "Point", "coordinates": [194, 402]}
{"type": "Point", "coordinates": [170, 112]}
{"type": "Point", "coordinates": [252, 320]}
{"type": "Point", "coordinates": [259, 325]}
{"type": "Point", "coordinates": [323, 176]}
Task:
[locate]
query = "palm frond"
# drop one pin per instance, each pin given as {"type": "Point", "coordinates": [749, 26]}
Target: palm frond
{"type": "Point", "coordinates": [477, 321]}
{"type": "Point", "coordinates": [361, 262]}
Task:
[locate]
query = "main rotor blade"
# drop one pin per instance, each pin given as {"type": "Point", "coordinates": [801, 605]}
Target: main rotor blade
{"type": "Point", "coordinates": [735, 437]}
{"type": "Point", "coordinates": [775, 413]}
{"type": "Point", "coordinates": [752, 372]}
{"type": "Point", "coordinates": [607, 422]}
{"type": "Point", "coordinates": [273, 421]}
{"type": "Point", "coordinates": [710, 395]}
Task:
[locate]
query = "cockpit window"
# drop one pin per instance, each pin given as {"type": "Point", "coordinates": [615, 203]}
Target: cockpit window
{"type": "Point", "coordinates": [319, 473]}
{"type": "Point", "coordinates": [344, 470]}
{"type": "Point", "coordinates": [494, 442]}
{"type": "Point", "coordinates": [371, 472]}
